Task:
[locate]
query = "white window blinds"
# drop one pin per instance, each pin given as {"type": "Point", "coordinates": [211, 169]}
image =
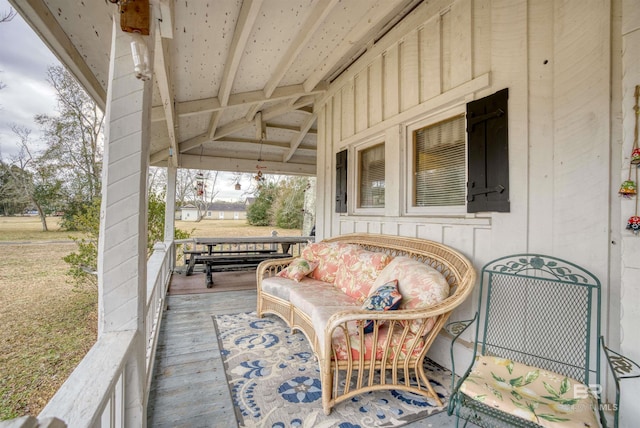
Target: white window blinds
{"type": "Point", "coordinates": [439, 164]}
{"type": "Point", "coordinates": [371, 180]}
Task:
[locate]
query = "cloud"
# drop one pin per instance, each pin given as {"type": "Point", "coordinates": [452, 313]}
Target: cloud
{"type": "Point", "coordinates": [24, 59]}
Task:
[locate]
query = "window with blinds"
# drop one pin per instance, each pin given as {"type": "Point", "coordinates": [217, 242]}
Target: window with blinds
{"type": "Point", "coordinates": [371, 177]}
{"type": "Point", "coordinates": [439, 164]}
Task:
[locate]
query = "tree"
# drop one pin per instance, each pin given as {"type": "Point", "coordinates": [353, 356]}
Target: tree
{"type": "Point", "coordinates": [7, 16]}
{"type": "Point", "coordinates": [84, 262]}
{"type": "Point", "coordinates": [74, 136]}
{"type": "Point", "coordinates": [288, 208]}
{"type": "Point", "coordinates": [259, 212]}
{"type": "Point", "coordinates": [33, 177]}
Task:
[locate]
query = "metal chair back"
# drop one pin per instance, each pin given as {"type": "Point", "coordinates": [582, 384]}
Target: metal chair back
{"type": "Point", "coordinates": [541, 311]}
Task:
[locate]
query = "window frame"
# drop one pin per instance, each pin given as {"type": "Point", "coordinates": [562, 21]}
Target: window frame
{"type": "Point", "coordinates": [410, 182]}
{"type": "Point", "coordinates": [355, 189]}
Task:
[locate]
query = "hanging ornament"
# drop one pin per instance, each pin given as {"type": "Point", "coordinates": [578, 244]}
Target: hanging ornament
{"type": "Point", "coordinates": [199, 184]}
{"type": "Point", "coordinates": [628, 189]}
{"type": "Point", "coordinates": [634, 224]}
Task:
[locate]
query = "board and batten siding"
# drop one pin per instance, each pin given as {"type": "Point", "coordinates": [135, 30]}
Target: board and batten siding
{"type": "Point", "coordinates": [555, 58]}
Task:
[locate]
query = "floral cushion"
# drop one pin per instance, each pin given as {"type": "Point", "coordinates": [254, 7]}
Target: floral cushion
{"type": "Point", "coordinates": [421, 286]}
{"type": "Point", "coordinates": [327, 255]}
{"type": "Point", "coordinates": [384, 298]}
{"type": "Point", "coordinates": [396, 345]}
{"type": "Point", "coordinates": [358, 270]}
{"type": "Point", "coordinates": [298, 269]}
{"type": "Point", "coordinates": [533, 394]}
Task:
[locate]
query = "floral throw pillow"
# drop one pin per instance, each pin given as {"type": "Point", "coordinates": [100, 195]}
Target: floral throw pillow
{"type": "Point", "coordinates": [298, 269]}
{"type": "Point", "coordinates": [421, 286]}
{"type": "Point", "coordinates": [384, 298]}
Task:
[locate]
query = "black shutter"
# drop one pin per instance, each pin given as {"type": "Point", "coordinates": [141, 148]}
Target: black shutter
{"type": "Point", "coordinates": [488, 154]}
{"type": "Point", "coordinates": [341, 182]}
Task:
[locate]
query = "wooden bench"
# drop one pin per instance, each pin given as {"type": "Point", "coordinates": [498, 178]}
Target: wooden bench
{"type": "Point", "coordinates": [230, 261]}
{"type": "Point", "coordinates": [196, 256]}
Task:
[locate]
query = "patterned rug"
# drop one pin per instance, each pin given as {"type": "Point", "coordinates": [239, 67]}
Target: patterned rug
{"type": "Point", "coordinates": [275, 381]}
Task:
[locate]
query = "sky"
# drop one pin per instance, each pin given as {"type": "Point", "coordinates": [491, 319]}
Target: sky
{"type": "Point", "coordinates": [24, 60]}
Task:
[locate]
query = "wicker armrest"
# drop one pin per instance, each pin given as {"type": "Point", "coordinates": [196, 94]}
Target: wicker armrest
{"type": "Point", "coordinates": [271, 267]}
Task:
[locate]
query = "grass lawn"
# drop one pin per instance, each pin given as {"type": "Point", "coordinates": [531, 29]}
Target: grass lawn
{"type": "Point", "coordinates": [47, 326]}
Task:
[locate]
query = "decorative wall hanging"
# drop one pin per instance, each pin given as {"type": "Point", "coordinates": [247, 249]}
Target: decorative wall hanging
{"type": "Point", "coordinates": [629, 188]}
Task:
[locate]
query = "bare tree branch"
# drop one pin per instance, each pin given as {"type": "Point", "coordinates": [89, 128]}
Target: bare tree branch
{"type": "Point", "coordinates": [7, 16]}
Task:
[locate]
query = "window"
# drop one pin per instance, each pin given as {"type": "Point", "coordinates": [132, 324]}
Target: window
{"type": "Point", "coordinates": [371, 177]}
{"type": "Point", "coordinates": [439, 164]}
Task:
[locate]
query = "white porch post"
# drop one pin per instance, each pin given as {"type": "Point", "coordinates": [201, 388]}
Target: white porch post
{"type": "Point", "coordinates": [122, 250]}
{"type": "Point", "coordinates": [170, 204]}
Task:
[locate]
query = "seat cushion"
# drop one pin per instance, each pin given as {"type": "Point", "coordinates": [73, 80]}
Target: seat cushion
{"type": "Point", "coordinates": [421, 285]}
{"type": "Point", "coordinates": [546, 398]}
{"type": "Point", "coordinates": [281, 287]}
{"type": "Point", "coordinates": [358, 270]}
{"type": "Point", "coordinates": [319, 294]}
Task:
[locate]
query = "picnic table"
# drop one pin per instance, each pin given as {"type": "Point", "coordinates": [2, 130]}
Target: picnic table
{"type": "Point", "coordinates": [225, 254]}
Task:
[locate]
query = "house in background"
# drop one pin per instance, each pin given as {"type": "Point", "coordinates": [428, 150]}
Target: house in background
{"type": "Point", "coordinates": [216, 211]}
{"type": "Point", "coordinates": [374, 98]}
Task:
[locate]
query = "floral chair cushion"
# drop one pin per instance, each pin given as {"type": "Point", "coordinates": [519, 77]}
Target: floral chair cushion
{"type": "Point", "coordinates": [546, 398]}
{"type": "Point", "coordinates": [327, 255]}
{"type": "Point", "coordinates": [358, 270]}
{"type": "Point", "coordinates": [298, 269]}
{"type": "Point", "coordinates": [421, 285]}
{"type": "Point", "coordinates": [384, 298]}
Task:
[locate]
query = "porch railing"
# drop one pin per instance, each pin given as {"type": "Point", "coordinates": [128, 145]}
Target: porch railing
{"type": "Point", "coordinates": [94, 394]}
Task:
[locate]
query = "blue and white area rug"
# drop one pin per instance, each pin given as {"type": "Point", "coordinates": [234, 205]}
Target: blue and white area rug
{"type": "Point", "coordinates": [274, 381]}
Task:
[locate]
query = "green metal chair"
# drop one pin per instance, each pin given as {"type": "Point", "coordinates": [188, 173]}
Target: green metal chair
{"type": "Point", "coordinates": [536, 359]}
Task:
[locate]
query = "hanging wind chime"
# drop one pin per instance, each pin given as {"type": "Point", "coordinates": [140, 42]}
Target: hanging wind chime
{"type": "Point", "coordinates": [200, 184]}
{"type": "Point", "coordinates": [628, 189]}
{"type": "Point", "coordinates": [261, 130]}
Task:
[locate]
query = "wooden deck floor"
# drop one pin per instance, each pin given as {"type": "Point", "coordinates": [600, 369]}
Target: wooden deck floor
{"type": "Point", "coordinates": [189, 387]}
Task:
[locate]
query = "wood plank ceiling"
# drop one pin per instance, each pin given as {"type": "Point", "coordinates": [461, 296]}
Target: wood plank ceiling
{"type": "Point", "coordinates": [235, 81]}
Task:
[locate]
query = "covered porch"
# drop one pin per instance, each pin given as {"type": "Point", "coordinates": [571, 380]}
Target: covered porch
{"type": "Point", "coordinates": [330, 89]}
{"type": "Point", "coordinates": [189, 387]}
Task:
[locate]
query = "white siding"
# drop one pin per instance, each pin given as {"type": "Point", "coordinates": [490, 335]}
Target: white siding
{"type": "Point", "coordinates": [555, 58]}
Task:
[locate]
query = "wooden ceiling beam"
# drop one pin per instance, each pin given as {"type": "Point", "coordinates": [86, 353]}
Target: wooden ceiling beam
{"type": "Point", "coordinates": [240, 124]}
{"type": "Point", "coordinates": [162, 72]}
{"type": "Point", "coordinates": [245, 165]}
{"type": "Point", "coordinates": [316, 18]}
{"type": "Point", "coordinates": [297, 139]}
{"type": "Point", "coordinates": [373, 17]}
{"type": "Point", "coordinates": [244, 26]}
{"type": "Point", "coordinates": [289, 128]}
{"type": "Point", "coordinates": [208, 105]}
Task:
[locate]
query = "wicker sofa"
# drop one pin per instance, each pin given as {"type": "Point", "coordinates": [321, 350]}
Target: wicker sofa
{"type": "Point", "coordinates": [332, 317]}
